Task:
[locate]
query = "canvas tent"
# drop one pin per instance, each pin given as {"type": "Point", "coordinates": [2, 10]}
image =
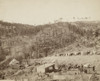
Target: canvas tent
{"type": "Point", "coordinates": [86, 65]}
{"type": "Point", "coordinates": [13, 62]}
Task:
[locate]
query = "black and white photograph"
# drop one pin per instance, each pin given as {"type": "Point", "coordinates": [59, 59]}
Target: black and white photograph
{"type": "Point", "coordinates": [49, 40]}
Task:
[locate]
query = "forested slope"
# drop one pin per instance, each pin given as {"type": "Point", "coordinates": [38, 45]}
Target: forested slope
{"type": "Point", "coordinates": [28, 41]}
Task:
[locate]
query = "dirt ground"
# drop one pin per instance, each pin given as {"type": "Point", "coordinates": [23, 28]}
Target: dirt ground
{"type": "Point", "coordinates": [80, 59]}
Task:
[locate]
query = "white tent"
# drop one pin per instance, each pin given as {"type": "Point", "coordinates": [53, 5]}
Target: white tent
{"type": "Point", "coordinates": [13, 62]}
{"type": "Point", "coordinates": [86, 65]}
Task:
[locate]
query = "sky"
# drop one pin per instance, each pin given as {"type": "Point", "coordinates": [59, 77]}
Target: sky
{"type": "Point", "coordinates": [45, 11]}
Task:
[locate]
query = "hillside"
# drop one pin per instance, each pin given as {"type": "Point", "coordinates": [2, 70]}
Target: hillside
{"type": "Point", "coordinates": [27, 42]}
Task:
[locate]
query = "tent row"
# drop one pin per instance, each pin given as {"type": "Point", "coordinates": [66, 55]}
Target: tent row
{"type": "Point", "coordinates": [78, 53]}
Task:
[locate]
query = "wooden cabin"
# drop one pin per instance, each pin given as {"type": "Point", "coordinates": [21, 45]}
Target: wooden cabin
{"type": "Point", "coordinates": [46, 68]}
{"type": "Point", "coordinates": [88, 69]}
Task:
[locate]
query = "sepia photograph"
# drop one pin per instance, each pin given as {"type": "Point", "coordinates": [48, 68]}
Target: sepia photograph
{"type": "Point", "coordinates": [49, 40]}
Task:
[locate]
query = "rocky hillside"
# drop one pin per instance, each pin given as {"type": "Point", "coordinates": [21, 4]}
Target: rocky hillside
{"type": "Point", "coordinates": [28, 42]}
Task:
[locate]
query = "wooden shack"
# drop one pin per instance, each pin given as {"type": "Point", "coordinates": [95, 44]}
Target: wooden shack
{"type": "Point", "coordinates": [46, 68]}
{"type": "Point", "coordinates": [88, 69]}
